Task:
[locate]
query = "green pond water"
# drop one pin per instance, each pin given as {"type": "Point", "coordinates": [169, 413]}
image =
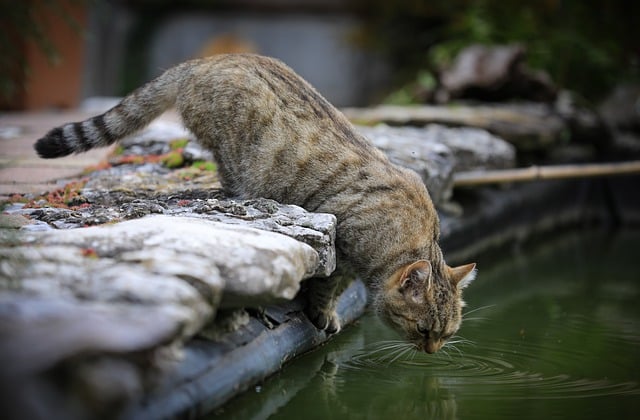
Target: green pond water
{"type": "Point", "coordinates": [551, 331]}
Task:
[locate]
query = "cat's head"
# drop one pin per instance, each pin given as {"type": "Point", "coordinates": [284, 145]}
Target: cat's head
{"type": "Point", "coordinates": [425, 307]}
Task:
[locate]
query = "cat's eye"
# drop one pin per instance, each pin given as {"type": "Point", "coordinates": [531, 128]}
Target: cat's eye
{"type": "Point", "coordinates": [422, 330]}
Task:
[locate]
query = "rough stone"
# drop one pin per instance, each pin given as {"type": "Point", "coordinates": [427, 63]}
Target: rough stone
{"type": "Point", "coordinates": [434, 162]}
{"type": "Point", "coordinates": [38, 332]}
{"type": "Point", "coordinates": [12, 221]}
{"type": "Point", "coordinates": [314, 229]}
{"type": "Point", "coordinates": [528, 126]}
{"type": "Point", "coordinates": [154, 139]}
{"type": "Point", "coordinates": [115, 303]}
{"type": "Point", "coordinates": [585, 123]}
{"type": "Point", "coordinates": [194, 152]}
{"type": "Point", "coordinates": [436, 152]}
{"type": "Point", "coordinates": [621, 108]}
{"type": "Point", "coordinates": [494, 72]}
{"type": "Point", "coordinates": [621, 113]}
{"type": "Point", "coordinates": [117, 198]}
{"type": "Point", "coordinates": [131, 290]}
{"type": "Point", "coordinates": [165, 258]}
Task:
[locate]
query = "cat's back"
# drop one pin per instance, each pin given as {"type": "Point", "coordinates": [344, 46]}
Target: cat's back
{"type": "Point", "coordinates": [251, 87]}
{"type": "Point", "coordinates": [271, 132]}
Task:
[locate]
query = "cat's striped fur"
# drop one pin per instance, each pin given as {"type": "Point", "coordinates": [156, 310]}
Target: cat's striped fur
{"type": "Point", "coordinates": [275, 136]}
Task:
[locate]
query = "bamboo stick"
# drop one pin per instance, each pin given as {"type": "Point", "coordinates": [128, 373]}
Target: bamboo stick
{"type": "Point", "coordinates": [534, 173]}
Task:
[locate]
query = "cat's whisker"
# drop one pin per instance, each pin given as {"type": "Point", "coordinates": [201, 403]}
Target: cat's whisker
{"type": "Point", "coordinates": [400, 354]}
{"type": "Point", "coordinates": [384, 351]}
{"type": "Point", "coordinates": [409, 353]}
{"type": "Point", "coordinates": [386, 344]}
{"type": "Point", "coordinates": [381, 351]}
{"type": "Point", "coordinates": [445, 352]}
{"type": "Point", "coordinates": [393, 358]}
{"type": "Point", "coordinates": [477, 309]}
{"type": "Point", "coordinates": [456, 339]}
{"type": "Point", "coordinates": [463, 342]}
{"type": "Point", "coordinates": [392, 351]}
{"type": "Point", "coordinates": [390, 343]}
{"type": "Point", "coordinates": [475, 319]}
{"type": "Point", "coordinates": [453, 347]}
{"type": "Point", "coordinates": [387, 347]}
{"type": "Point", "coordinates": [386, 357]}
{"type": "Point", "coordinates": [459, 338]}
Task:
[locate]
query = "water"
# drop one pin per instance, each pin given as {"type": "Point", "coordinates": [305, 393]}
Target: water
{"type": "Point", "coordinates": [553, 331]}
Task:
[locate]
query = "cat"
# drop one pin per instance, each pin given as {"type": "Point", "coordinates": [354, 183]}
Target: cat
{"type": "Point", "coordinates": [274, 136]}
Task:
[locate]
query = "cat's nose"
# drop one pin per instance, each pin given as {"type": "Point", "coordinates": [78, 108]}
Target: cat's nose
{"type": "Point", "coordinates": [432, 346]}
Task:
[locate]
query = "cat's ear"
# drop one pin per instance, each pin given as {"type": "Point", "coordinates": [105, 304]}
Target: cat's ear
{"type": "Point", "coordinates": [415, 280]}
{"type": "Point", "coordinates": [462, 275]}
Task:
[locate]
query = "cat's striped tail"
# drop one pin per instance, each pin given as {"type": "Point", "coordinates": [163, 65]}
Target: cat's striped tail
{"type": "Point", "coordinates": [133, 113]}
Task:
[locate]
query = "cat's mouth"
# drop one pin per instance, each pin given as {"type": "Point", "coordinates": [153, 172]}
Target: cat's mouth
{"type": "Point", "coordinates": [428, 346]}
{"type": "Point", "coordinates": [419, 341]}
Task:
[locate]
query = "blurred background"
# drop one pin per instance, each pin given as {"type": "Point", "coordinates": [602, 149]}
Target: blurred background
{"type": "Point", "coordinates": [58, 53]}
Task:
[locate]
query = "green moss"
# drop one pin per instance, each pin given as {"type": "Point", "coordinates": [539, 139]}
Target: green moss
{"type": "Point", "coordinates": [198, 169]}
{"type": "Point", "coordinates": [205, 166]}
{"type": "Point", "coordinates": [173, 159]}
{"type": "Point", "coordinates": [178, 144]}
{"type": "Point", "coordinates": [118, 151]}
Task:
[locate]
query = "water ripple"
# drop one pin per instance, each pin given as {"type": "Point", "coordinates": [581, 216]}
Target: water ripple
{"type": "Point", "coordinates": [501, 372]}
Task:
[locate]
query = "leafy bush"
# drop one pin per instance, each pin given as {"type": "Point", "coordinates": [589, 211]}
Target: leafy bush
{"type": "Point", "coordinates": [584, 46]}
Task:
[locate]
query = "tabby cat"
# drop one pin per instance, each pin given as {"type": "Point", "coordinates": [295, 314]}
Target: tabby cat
{"type": "Point", "coordinates": [275, 136]}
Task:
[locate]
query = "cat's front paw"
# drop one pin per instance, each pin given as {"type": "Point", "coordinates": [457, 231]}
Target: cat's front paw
{"type": "Point", "coordinates": [324, 319]}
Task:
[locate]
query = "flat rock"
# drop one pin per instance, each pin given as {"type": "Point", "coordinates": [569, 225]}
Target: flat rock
{"type": "Point", "coordinates": [434, 162]}
{"type": "Point", "coordinates": [436, 152]}
{"type": "Point", "coordinates": [621, 108]}
{"type": "Point", "coordinates": [528, 126]}
{"type": "Point", "coordinates": [621, 113]}
{"type": "Point", "coordinates": [128, 192]}
{"type": "Point", "coordinates": [157, 254]}
{"type": "Point", "coordinates": [38, 332]}
{"type": "Point", "coordinates": [136, 286]}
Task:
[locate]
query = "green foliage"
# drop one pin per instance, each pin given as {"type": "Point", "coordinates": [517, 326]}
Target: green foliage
{"type": "Point", "coordinates": [585, 46]}
{"type": "Point", "coordinates": [415, 91]}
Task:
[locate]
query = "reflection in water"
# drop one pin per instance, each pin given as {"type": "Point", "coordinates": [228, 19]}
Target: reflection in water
{"type": "Point", "coordinates": [555, 333]}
